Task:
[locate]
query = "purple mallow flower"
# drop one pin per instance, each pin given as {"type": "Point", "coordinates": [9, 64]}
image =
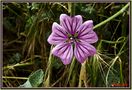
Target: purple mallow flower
{"type": "Point", "coordinates": [73, 37]}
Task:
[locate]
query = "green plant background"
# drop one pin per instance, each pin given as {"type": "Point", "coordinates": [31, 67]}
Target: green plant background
{"type": "Point", "coordinates": [27, 61]}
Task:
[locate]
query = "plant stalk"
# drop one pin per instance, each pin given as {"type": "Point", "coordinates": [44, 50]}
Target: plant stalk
{"type": "Point", "coordinates": [82, 76]}
{"type": "Point", "coordinates": [48, 70]}
{"type": "Point", "coordinates": [8, 77]}
{"type": "Point", "coordinates": [112, 17]}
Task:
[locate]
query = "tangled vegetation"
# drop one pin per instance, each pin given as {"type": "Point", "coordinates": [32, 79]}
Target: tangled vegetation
{"type": "Point", "coordinates": [27, 61]}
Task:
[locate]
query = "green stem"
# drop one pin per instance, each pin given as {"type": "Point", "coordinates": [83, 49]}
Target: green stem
{"type": "Point", "coordinates": [112, 17]}
{"type": "Point", "coordinates": [16, 65]}
{"type": "Point", "coordinates": [121, 75]}
{"type": "Point", "coordinates": [82, 76]}
{"type": "Point", "coordinates": [8, 77]}
{"type": "Point", "coordinates": [48, 70]}
{"type": "Point", "coordinates": [114, 60]}
{"type": "Point", "coordinates": [71, 8]}
{"type": "Point", "coordinates": [71, 69]}
{"type": "Point", "coordinates": [120, 40]}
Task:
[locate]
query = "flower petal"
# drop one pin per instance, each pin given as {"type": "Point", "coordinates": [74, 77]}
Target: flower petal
{"type": "Point", "coordinates": [89, 37]}
{"type": "Point", "coordinates": [64, 51]}
{"type": "Point", "coordinates": [86, 25]}
{"type": "Point", "coordinates": [58, 34]}
{"type": "Point", "coordinates": [86, 32]}
{"type": "Point", "coordinates": [76, 23]}
{"type": "Point", "coordinates": [83, 50]}
{"type": "Point", "coordinates": [66, 22]}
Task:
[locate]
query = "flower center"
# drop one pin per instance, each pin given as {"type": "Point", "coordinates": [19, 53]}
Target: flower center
{"type": "Point", "coordinates": [72, 38]}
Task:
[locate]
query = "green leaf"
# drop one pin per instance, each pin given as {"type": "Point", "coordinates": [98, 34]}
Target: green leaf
{"type": "Point", "coordinates": [34, 80]}
{"type": "Point", "coordinates": [15, 58]}
{"type": "Point", "coordinates": [27, 84]}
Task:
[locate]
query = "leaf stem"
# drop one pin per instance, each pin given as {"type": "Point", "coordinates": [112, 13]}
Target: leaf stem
{"type": "Point", "coordinates": [8, 77]}
{"type": "Point", "coordinates": [16, 65]}
{"type": "Point", "coordinates": [112, 17]}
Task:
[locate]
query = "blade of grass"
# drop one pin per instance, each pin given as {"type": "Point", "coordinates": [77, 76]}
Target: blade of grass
{"type": "Point", "coordinates": [47, 76]}
{"type": "Point", "coordinates": [121, 73]}
{"type": "Point", "coordinates": [16, 65]}
{"type": "Point", "coordinates": [9, 77]}
{"type": "Point", "coordinates": [83, 75]}
{"type": "Point", "coordinates": [71, 70]}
